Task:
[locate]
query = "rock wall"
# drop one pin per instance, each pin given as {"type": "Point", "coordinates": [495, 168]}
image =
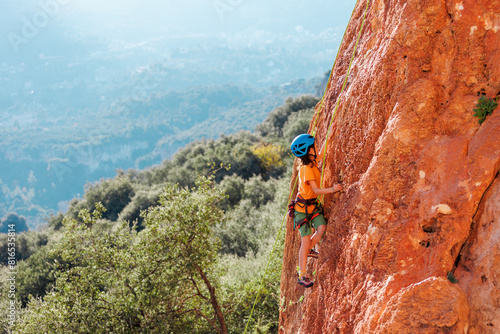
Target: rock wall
{"type": "Point", "coordinates": [413, 245]}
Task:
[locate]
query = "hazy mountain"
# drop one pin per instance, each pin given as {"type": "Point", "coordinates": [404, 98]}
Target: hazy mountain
{"type": "Point", "coordinates": [89, 87]}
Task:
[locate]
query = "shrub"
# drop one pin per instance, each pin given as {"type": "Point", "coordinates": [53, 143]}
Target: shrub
{"type": "Point", "coordinates": [239, 231]}
{"type": "Point", "coordinates": [27, 244]}
{"type": "Point", "coordinates": [159, 280]}
{"type": "Point", "coordinates": [258, 191]}
{"type": "Point", "coordinates": [142, 200]}
{"type": "Point", "coordinates": [114, 194]}
{"type": "Point", "coordinates": [35, 276]}
{"type": "Point", "coordinates": [270, 155]}
{"type": "Point", "coordinates": [13, 221]}
{"type": "Point", "coordinates": [233, 186]}
{"type": "Point", "coordinates": [297, 124]}
{"type": "Point", "coordinates": [272, 126]}
{"type": "Point", "coordinates": [484, 108]}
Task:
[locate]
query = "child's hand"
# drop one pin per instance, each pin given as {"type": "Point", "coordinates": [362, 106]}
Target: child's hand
{"type": "Point", "coordinates": [337, 187]}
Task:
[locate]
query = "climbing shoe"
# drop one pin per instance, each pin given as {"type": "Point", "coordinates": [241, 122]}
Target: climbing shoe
{"type": "Point", "coordinates": [305, 281]}
{"type": "Point", "coordinates": [313, 253]}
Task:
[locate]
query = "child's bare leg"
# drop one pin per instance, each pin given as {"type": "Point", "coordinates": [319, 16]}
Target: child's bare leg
{"type": "Point", "coordinates": [316, 237]}
{"type": "Point", "coordinates": [305, 247]}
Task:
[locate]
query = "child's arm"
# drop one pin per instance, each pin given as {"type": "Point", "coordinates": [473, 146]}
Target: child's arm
{"type": "Point", "coordinates": [318, 191]}
{"type": "Point", "coordinates": [321, 154]}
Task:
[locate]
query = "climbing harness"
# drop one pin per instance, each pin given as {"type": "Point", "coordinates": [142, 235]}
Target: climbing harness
{"type": "Point", "coordinates": [313, 134]}
{"type": "Point", "coordinates": [304, 203]}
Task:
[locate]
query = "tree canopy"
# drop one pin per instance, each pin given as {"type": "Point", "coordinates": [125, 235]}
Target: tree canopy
{"type": "Point", "coordinates": [176, 248]}
{"type": "Point", "coordinates": [122, 281]}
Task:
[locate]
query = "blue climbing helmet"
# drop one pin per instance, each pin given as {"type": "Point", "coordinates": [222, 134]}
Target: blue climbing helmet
{"type": "Point", "coordinates": [301, 143]}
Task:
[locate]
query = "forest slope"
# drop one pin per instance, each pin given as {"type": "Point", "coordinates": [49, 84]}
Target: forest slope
{"type": "Point", "coordinates": [126, 250]}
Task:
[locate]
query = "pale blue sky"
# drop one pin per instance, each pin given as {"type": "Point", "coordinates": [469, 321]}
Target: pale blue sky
{"type": "Point", "coordinates": [153, 17]}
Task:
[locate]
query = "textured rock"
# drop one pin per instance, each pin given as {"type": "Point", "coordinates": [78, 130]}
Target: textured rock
{"type": "Point", "coordinates": [422, 196]}
{"type": "Point", "coordinates": [478, 271]}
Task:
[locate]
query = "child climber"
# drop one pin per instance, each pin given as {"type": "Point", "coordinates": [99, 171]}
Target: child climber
{"type": "Point", "coordinates": [308, 212]}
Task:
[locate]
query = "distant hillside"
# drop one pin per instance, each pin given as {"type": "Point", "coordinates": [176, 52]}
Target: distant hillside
{"type": "Point", "coordinates": [88, 92]}
{"type": "Point", "coordinates": [47, 157]}
{"type": "Point", "coordinates": [229, 238]}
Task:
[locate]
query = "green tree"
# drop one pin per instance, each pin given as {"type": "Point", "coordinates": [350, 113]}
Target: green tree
{"type": "Point", "coordinates": [297, 123]}
{"type": "Point", "coordinates": [35, 275]}
{"type": "Point", "coordinates": [26, 244]}
{"type": "Point", "coordinates": [242, 275]}
{"type": "Point", "coordinates": [55, 221]}
{"type": "Point", "coordinates": [159, 280]}
{"type": "Point", "coordinates": [13, 221]}
{"type": "Point", "coordinates": [233, 188]}
{"type": "Point", "coordinates": [114, 194]}
{"type": "Point", "coordinates": [239, 231]}
{"type": "Point", "coordinates": [234, 151]}
{"type": "Point", "coordinates": [259, 191]}
{"type": "Point", "coordinates": [143, 199]}
{"type": "Point", "coordinates": [272, 126]}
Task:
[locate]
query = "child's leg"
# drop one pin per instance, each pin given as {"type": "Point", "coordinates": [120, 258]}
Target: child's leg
{"type": "Point", "coordinates": [316, 237]}
{"type": "Point", "coordinates": [305, 247]}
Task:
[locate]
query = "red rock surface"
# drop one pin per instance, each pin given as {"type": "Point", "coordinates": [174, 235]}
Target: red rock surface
{"type": "Point", "coordinates": [422, 202]}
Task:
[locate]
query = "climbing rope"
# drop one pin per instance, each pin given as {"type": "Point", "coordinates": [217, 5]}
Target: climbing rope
{"type": "Point", "coordinates": [341, 91]}
{"type": "Point", "coordinates": [313, 134]}
{"type": "Point", "coordinates": [270, 257]}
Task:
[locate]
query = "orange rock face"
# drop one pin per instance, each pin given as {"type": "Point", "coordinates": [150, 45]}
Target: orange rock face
{"type": "Point", "coordinates": [413, 245]}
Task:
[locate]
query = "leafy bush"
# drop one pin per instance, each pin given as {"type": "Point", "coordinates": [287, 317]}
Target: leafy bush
{"type": "Point", "coordinates": [250, 223]}
{"type": "Point", "coordinates": [239, 231]}
{"type": "Point", "coordinates": [297, 124]}
{"type": "Point", "coordinates": [272, 126]}
{"type": "Point", "coordinates": [259, 191]}
{"type": "Point", "coordinates": [114, 194]}
{"type": "Point", "coordinates": [142, 200]}
{"type": "Point", "coordinates": [234, 151]}
{"type": "Point", "coordinates": [270, 156]}
{"type": "Point", "coordinates": [13, 221]}
{"type": "Point", "coordinates": [484, 108]}
{"type": "Point", "coordinates": [233, 186]}
{"type": "Point", "coordinates": [159, 280]}
{"type": "Point", "coordinates": [26, 244]}
{"type": "Point", "coordinates": [242, 276]}
{"type": "Point", "coordinates": [35, 275]}
{"type": "Point", "coordinates": [56, 221]}
{"type": "Point", "coordinates": [112, 278]}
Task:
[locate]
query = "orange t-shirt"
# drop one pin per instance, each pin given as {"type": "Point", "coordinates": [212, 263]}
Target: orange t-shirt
{"type": "Point", "coordinates": [307, 173]}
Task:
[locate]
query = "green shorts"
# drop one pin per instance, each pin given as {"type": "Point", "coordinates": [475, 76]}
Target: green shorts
{"type": "Point", "coordinates": [306, 229]}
